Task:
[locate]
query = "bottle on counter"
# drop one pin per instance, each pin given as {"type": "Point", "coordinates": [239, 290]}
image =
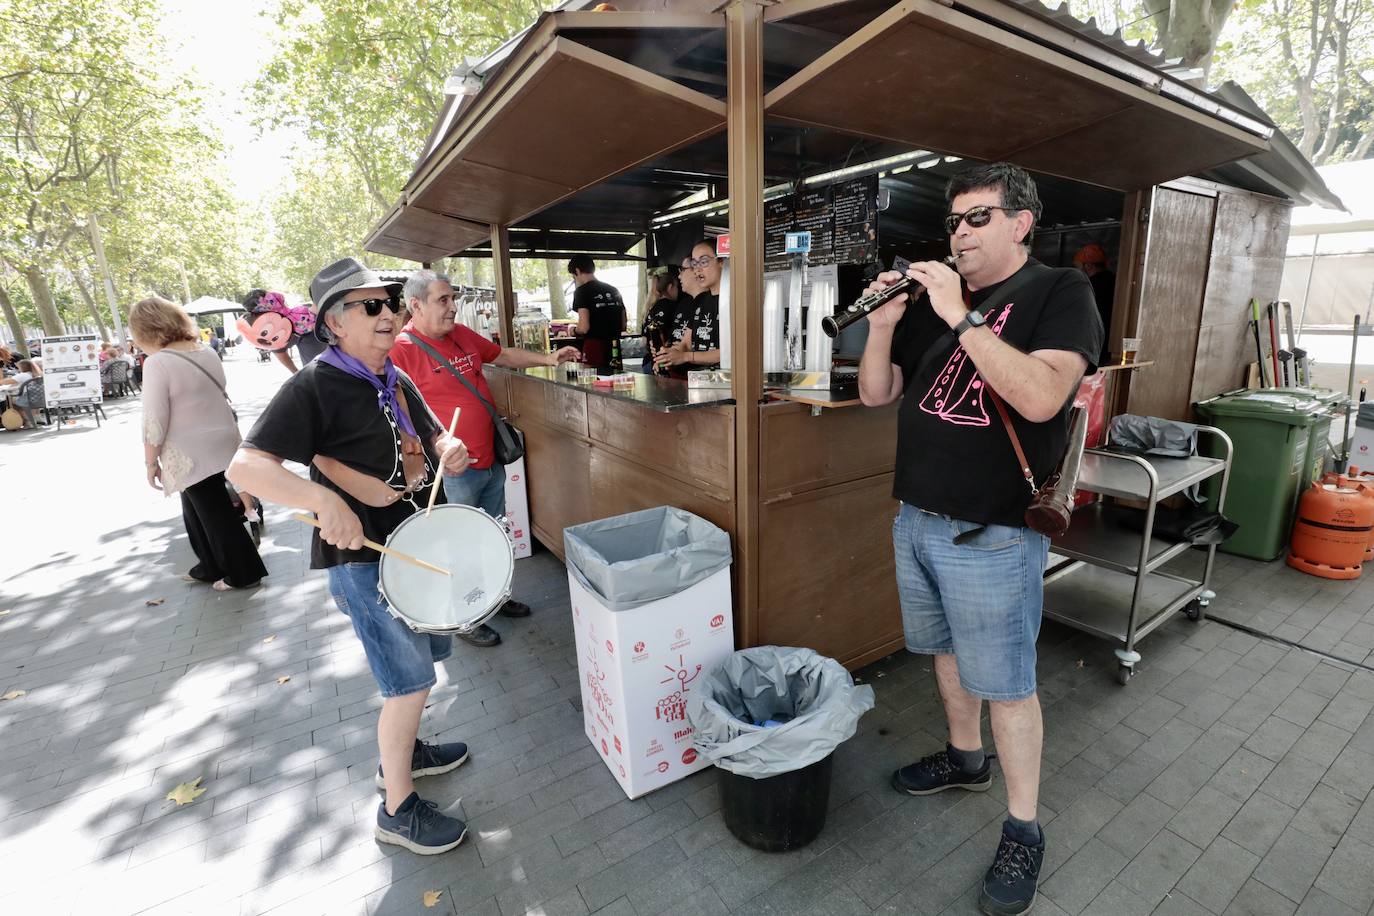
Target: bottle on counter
{"type": "Point", "coordinates": [617, 364]}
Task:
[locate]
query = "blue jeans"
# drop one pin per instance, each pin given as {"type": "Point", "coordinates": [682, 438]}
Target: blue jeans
{"type": "Point", "coordinates": [979, 600]}
{"type": "Point", "coordinates": [485, 489]}
{"type": "Point", "coordinates": [401, 660]}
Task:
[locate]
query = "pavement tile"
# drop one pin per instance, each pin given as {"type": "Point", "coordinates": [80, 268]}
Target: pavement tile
{"type": "Point", "coordinates": [1274, 738]}
{"type": "Point", "coordinates": [1346, 875]}
{"type": "Point", "coordinates": [1259, 823]}
{"type": "Point", "coordinates": [1255, 899]}
{"type": "Point", "coordinates": [1241, 775]}
{"type": "Point", "coordinates": [1352, 773]}
{"type": "Point", "coordinates": [1326, 815]}
{"type": "Point", "coordinates": [1319, 903]}
{"type": "Point", "coordinates": [1159, 866]}
{"type": "Point", "coordinates": [1118, 900]}
{"type": "Point", "coordinates": [1292, 780]}
{"type": "Point", "coordinates": [1079, 881]}
{"type": "Point", "coordinates": [1137, 824]}
{"type": "Point", "coordinates": [1180, 781]}
{"type": "Point", "coordinates": [1219, 874]}
{"type": "Point", "coordinates": [1292, 864]}
{"type": "Point", "coordinates": [1205, 816]}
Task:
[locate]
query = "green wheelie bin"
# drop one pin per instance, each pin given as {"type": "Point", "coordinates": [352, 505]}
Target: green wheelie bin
{"type": "Point", "coordinates": [1271, 431]}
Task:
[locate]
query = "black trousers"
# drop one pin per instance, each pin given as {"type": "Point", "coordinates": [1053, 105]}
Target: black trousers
{"type": "Point", "coordinates": [221, 543]}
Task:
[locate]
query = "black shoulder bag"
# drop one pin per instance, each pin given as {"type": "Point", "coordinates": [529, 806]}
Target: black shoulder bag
{"type": "Point", "coordinates": [508, 445]}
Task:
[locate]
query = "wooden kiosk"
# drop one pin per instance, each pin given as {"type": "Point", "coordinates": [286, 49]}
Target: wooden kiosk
{"type": "Point", "coordinates": [591, 128]}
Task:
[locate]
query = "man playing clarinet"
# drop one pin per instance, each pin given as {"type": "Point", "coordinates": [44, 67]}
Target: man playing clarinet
{"type": "Point", "coordinates": [968, 569]}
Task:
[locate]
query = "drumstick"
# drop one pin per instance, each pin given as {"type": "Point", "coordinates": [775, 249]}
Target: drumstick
{"type": "Point", "coordinates": [439, 471]}
{"type": "Point", "coordinates": [380, 548]}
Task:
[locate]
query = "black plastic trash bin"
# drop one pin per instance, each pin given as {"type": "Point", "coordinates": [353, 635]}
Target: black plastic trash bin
{"type": "Point", "coordinates": [777, 813]}
{"type": "Point", "coordinates": [770, 719]}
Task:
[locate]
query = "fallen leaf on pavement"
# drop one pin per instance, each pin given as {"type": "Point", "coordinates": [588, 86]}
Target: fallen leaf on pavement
{"type": "Point", "coordinates": [283, 679]}
{"type": "Point", "coordinates": [187, 792]}
{"type": "Point", "coordinates": [154, 602]}
{"type": "Point", "coordinates": [14, 695]}
{"type": "Point", "coordinates": [432, 898]}
{"type": "Point", "coordinates": [270, 638]}
{"type": "Point", "coordinates": [1080, 663]}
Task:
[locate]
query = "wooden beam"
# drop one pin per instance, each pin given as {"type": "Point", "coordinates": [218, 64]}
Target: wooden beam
{"type": "Point", "coordinates": [744, 120]}
{"type": "Point", "coordinates": [505, 289]}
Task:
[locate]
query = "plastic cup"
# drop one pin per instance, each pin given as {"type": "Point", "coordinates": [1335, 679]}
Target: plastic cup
{"type": "Point", "coordinates": [1130, 346]}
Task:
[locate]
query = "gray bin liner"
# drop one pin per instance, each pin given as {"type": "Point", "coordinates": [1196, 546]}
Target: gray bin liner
{"type": "Point", "coordinates": [1153, 436]}
{"type": "Point", "coordinates": [632, 559]}
{"type": "Point", "coordinates": [755, 685]}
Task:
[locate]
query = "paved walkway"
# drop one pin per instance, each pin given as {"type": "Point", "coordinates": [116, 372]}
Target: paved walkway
{"type": "Point", "coordinates": [1232, 776]}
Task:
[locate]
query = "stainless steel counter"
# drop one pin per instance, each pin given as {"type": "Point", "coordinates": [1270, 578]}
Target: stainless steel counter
{"type": "Point", "coordinates": [664, 395]}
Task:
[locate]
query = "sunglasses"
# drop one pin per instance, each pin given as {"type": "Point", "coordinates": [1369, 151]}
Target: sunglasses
{"type": "Point", "coordinates": [374, 307]}
{"type": "Point", "coordinates": [976, 217]}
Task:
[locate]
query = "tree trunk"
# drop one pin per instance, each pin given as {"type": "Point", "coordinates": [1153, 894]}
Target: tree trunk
{"type": "Point", "coordinates": [42, 300]}
{"type": "Point", "coordinates": [92, 307]}
{"type": "Point", "coordinates": [16, 327]}
{"type": "Point", "coordinates": [1191, 28]}
{"type": "Point", "coordinates": [558, 303]}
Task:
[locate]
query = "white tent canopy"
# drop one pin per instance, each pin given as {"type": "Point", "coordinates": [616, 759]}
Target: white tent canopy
{"type": "Point", "coordinates": [209, 305]}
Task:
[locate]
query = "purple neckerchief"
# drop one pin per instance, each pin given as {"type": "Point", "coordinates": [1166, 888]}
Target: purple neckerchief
{"type": "Point", "coordinates": [386, 393]}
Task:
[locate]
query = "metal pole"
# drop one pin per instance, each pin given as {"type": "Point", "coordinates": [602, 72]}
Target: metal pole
{"type": "Point", "coordinates": [1350, 389]}
{"type": "Point", "coordinates": [99, 247]}
{"type": "Point", "coordinates": [1307, 290]}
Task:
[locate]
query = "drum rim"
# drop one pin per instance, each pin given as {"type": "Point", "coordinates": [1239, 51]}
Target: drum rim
{"type": "Point", "coordinates": [456, 629]}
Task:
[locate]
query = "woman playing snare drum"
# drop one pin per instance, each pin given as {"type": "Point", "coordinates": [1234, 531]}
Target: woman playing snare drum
{"type": "Point", "coordinates": [353, 407]}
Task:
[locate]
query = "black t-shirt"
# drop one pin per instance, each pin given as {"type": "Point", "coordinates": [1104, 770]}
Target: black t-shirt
{"type": "Point", "coordinates": [308, 346]}
{"type": "Point", "coordinates": [953, 453]}
{"type": "Point", "coordinates": [683, 313]}
{"type": "Point", "coordinates": [606, 309]}
{"type": "Point", "coordinates": [322, 410]}
{"type": "Point", "coordinates": [705, 321]}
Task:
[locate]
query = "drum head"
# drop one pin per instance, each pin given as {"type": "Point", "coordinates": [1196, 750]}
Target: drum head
{"type": "Point", "coordinates": [467, 542]}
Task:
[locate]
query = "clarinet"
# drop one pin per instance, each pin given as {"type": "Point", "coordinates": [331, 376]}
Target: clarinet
{"type": "Point", "coordinates": [832, 325]}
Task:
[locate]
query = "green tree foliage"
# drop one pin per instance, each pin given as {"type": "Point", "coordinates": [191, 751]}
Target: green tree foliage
{"type": "Point", "coordinates": [1309, 63]}
{"type": "Point", "coordinates": [93, 124]}
{"type": "Point", "coordinates": [364, 81]}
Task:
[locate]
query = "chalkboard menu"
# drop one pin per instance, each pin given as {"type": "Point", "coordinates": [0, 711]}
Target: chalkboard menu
{"type": "Point", "coordinates": [842, 219]}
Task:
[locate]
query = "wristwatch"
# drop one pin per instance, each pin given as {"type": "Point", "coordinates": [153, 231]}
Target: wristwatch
{"type": "Point", "coordinates": [974, 319]}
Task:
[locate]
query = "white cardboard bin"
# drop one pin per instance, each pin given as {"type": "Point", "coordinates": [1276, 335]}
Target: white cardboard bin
{"type": "Point", "coordinates": [637, 668]}
{"type": "Point", "coordinates": [518, 508]}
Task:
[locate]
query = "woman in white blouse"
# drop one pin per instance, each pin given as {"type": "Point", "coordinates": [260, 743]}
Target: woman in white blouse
{"type": "Point", "coordinates": [189, 436]}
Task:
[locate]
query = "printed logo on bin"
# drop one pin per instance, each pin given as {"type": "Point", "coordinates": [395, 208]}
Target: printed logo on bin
{"type": "Point", "coordinates": [679, 633]}
{"type": "Point", "coordinates": [717, 621]}
{"type": "Point", "coordinates": [663, 766]}
{"type": "Point", "coordinates": [616, 741]}
{"type": "Point", "coordinates": [515, 478]}
{"type": "Point", "coordinates": [622, 771]}
{"type": "Point", "coordinates": [689, 756]}
{"type": "Point", "coordinates": [639, 646]}
{"type": "Point", "coordinates": [610, 648]}
{"type": "Point", "coordinates": [604, 749]}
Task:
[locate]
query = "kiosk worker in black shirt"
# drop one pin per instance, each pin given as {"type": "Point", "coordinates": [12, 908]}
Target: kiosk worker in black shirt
{"type": "Point", "coordinates": [698, 346]}
{"type": "Point", "coordinates": [355, 409]}
{"type": "Point", "coordinates": [601, 315]}
{"type": "Point", "coordinates": [968, 570]}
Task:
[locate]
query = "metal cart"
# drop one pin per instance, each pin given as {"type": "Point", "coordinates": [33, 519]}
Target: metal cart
{"type": "Point", "coordinates": [1111, 582]}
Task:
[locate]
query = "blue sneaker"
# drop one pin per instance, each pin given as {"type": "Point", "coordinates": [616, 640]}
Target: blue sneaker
{"type": "Point", "coordinates": [431, 760]}
{"type": "Point", "coordinates": [419, 826]}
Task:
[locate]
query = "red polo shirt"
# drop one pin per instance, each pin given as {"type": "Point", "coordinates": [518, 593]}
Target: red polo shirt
{"type": "Point", "coordinates": [466, 351]}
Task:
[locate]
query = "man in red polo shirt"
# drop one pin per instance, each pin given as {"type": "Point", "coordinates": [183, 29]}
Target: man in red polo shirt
{"type": "Point", "coordinates": [429, 297]}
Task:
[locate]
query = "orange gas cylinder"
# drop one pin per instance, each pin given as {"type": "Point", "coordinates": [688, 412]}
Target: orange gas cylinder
{"type": "Point", "coordinates": [1332, 530]}
{"type": "Point", "coordinates": [1366, 478]}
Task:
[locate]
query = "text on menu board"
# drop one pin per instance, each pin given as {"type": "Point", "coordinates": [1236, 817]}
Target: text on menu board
{"type": "Point", "coordinates": [842, 219]}
{"type": "Point", "coordinates": [71, 370]}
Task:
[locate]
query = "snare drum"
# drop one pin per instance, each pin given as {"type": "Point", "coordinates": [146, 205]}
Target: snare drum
{"type": "Point", "coordinates": [467, 542]}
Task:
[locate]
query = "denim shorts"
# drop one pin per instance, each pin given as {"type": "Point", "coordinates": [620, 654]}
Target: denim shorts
{"type": "Point", "coordinates": [401, 660]}
{"type": "Point", "coordinates": [979, 600]}
{"type": "Point", "coordinates": [484, 488]}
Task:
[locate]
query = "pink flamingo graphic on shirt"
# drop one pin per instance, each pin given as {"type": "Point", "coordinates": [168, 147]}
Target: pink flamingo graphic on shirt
{"type": "Point", "coordinates": [956, 396]}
